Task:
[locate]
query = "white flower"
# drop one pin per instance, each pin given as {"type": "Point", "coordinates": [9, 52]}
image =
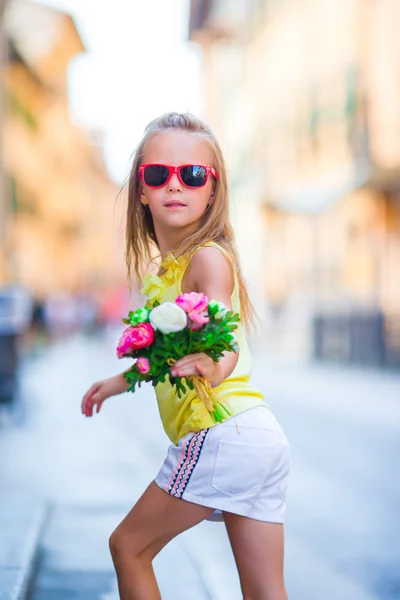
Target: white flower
{"type": "Point", "coordinates": [168, 317]}
{"type": "Point", "coordinates": [222, 309]}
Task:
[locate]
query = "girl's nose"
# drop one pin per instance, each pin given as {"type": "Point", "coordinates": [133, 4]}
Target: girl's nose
{"type": "Point", "coordinates": [174, 183]}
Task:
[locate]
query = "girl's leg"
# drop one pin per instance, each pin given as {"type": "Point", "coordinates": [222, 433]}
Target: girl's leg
{"type": "Point", "coordinates": [258, 550]}
{"type": "Point", "coordinates": [155, 519]}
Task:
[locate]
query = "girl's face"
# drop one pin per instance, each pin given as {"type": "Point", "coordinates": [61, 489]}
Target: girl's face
{"type": "Point", "coordinates": [174, 205]}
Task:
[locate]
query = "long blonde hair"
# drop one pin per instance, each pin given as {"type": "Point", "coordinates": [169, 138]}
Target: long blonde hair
{"type": "Point", "coordinates": [215, 224]}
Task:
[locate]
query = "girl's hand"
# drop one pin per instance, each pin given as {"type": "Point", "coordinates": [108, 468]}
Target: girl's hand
{"type": "Point", "coordinates": [100, 391]}
{"type": "Point", "coordinates": [198, 364]}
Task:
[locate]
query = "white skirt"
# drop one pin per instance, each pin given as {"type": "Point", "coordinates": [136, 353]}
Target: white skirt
{"type": "Point", "coordinates": [240, 466]}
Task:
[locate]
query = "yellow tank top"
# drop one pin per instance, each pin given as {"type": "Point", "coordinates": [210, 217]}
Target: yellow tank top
{"type": "Point", "coordinates": [180, 416]}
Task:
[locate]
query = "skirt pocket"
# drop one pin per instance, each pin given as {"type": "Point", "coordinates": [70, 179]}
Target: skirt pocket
{"type": "Point", "coordinates": [241, 469]}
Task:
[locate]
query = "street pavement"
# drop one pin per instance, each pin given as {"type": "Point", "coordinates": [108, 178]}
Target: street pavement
{"type": "Point", "coordinates": [342, 529]}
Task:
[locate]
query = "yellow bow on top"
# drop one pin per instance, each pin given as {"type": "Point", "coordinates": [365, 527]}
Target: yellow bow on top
{"type": "Point", "coordinates": [174, 267]}
{"type": "Point", "coordinates": [152, 287]}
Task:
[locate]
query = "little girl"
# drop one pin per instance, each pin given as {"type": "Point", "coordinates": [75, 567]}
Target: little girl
{"type": "Point", "coordinates": [236, 470]}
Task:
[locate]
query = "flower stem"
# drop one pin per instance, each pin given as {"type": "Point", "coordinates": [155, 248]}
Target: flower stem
{"type": "Point", "coordinates": [218, 410]}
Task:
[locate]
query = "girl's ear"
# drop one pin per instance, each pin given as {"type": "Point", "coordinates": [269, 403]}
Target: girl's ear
{"type": "Point", "coordinates": [143, 198]}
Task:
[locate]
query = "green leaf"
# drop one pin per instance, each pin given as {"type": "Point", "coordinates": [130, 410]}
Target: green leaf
{"type": "Point", "coordinates": [214, 338]}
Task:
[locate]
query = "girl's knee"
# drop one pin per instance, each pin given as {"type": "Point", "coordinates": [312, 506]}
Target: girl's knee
{"type": "Point", "coordinates": [116, 544]}
{"type": "Point", "coordinates": [124, 547]}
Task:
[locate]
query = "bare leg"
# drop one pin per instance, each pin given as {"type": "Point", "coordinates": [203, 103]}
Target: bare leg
{"type": "Point", "coordinates": [258, 550]}
{"type": "Point", "coordinates": [155, 519]}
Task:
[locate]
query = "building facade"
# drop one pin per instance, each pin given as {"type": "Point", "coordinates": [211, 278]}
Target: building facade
{"type": "Point", "coordinates": [309, 110]}
{"type": "Point", "coordinates": [3, 197]}
{"type": "Point", "coordinates": [62, 227]}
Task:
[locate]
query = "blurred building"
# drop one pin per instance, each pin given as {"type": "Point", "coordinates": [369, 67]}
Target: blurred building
{"type": "Point", "coordinates": [304, 97]}
{"type": "Point", "coordinates": [60, 226]}
{"type": "Point", "coordinates": [3, 46]}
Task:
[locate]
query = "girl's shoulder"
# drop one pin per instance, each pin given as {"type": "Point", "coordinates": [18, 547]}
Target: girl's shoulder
{"type": "Point", "coordinates": [211, 260]}
{"type": "Point", "coordinates": [204, 251]}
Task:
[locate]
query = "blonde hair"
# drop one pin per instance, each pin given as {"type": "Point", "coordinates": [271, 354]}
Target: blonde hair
{"type": "Point", "coordinates": [215, 224]}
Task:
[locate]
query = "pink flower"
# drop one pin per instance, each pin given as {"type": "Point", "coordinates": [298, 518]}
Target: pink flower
{"type": "Point", "coordinates": [196, 307]}
{"type": "Point", "coordinates": [143, 365]}
{"type": "Point", "coordinates": [134, 338]}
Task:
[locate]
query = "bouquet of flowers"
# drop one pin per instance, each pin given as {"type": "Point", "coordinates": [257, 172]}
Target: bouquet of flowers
{"type": "Point", "coordinates": [158, 337]}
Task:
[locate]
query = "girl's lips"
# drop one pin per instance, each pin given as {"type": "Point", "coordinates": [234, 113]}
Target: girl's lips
{"type": "Point", "coordinates": [175, 205]}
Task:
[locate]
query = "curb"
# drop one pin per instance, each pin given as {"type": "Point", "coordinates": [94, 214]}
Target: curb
{"type": "Point", "coordinates": [20, 555]}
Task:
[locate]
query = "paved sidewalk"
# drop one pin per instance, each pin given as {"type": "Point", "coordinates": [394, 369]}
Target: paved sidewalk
{"type": "Point", "coordinates": [342, 530]}
{"type": "Point", "coordinates": [77, 565]}
{"type": "Point", "coordinates": [22, 522]}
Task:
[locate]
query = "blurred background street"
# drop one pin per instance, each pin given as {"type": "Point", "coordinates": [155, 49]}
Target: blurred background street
{"type": "Point", "coordinates": [304, 98]}
{"type": "Point", "coordinates": [342, 531]}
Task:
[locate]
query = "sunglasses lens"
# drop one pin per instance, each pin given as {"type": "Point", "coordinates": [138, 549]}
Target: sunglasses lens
{"type": "Point", "coordinates": [194, 175]}
{"type": "Point", "coordinates": [155, 175]}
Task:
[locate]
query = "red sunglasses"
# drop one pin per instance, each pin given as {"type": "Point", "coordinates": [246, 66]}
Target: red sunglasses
{"type": "Point", "coordinates": [192, 176]}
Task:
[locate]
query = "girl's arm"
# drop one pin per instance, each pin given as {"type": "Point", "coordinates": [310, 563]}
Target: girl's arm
{"type": "Point", "coordinates": [100, 391]}
{"type": "Point", "coordinates": [209, 273]}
